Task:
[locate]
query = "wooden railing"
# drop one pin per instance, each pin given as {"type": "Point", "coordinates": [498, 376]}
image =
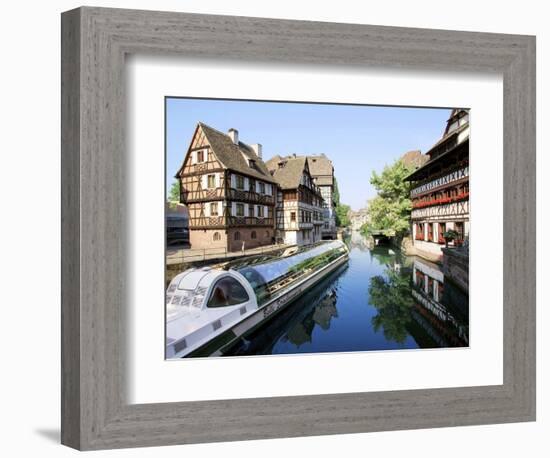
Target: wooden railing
{"type": "Point", "coordinates": [441, 200]}
{"type": "Point", "coordinates": [250, 196]}
{"type": "Point", "coordinates": [212, 222]}
{"type": "Point", "coordinates": [206, 195]}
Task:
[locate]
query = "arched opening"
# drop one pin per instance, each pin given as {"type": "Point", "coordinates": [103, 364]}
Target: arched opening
{"type": "Point", "coordinates": [237, 236]}
{"type": "Point", "coordinates": [217, 237]}
{"type": "Point", "coordinates": [253, 235]}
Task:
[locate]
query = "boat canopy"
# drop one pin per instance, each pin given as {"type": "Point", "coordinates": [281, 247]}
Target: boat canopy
{"type": "Point", "coordinates": [268, 276]}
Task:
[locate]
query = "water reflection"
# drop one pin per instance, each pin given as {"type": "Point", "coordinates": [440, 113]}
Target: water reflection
{"type": "Point", "coordinates": [381, 300]}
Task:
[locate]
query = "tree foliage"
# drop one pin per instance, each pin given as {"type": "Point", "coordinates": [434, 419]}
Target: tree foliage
{"type": "Point", "coordinates": [342, 218]}
{"type": "Point", "coordinates": [336, 193]}
{"type": "Point", "coordinates": [174, 194]}
{"type": "Point", "coordinates": [391, 296]}
{"type": "Point", "coordinates": [341, 210]}
{"type": "Point", "coordinates": [389, 211]}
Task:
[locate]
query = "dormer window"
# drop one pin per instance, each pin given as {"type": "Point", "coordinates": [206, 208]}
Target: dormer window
{"type": "Point", "coordinates": [251, 163]}
{"type": "Point", "coordinates": [281, 164]}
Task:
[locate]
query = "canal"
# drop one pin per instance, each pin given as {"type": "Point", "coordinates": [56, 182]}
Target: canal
{"type": "Point", "coordinates": [381, 300]}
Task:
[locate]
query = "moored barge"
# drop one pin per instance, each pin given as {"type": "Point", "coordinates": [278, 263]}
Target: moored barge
{"type": "Point", "coordinates": [209, 309]}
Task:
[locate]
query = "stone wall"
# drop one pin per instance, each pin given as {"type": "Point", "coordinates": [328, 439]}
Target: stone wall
{"type": "Point", "coordinates": [456, 267]}
{"type": "Point", "coordinates": [264, 236]}
{"type": "Point", "coordinates": [204, 238]}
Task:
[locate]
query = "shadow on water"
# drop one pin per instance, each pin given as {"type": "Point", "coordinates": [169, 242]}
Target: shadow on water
{"type": "Point", "coordinates": [381, 300]}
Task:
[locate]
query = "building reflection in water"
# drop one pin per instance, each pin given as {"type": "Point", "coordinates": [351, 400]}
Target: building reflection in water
{"type": "Point", "coordinates": [440, 307]}
{"type": "Point", "coordinates": [381, 300]}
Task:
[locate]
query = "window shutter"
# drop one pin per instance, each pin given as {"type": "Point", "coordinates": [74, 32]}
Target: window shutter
{"type": "Point", "coordinates": [207, 209]}
{"type": "Point", "coordinates": [265, 211]}
{"type": "Point", "coordinates": [246, 183]}
{"type": "Point", "coordinates": [233, 181]}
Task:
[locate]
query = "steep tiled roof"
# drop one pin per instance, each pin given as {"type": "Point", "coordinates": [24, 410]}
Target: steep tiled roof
{"type": "Point", "coordinates": [233, 156]}
{"type": "Point", "coordinates": [320, 165]}
{"type": "Point", "coordinates": [288, 176]}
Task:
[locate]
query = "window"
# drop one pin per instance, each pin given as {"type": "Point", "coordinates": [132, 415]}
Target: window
{"type": "Point", "coordinates": [214, 209]}
{"type": "Point", "coordinates": [237, 236]}
{"type": "Point", "coordinates": [251, 185]}
{"type": "Point", "coordinates": [227, 291]}
{"type": "Point", "coordinates": [253, 235]}
{"type": "Point", "coordinates": [459, 227]}
{"type": "Point", "coordinates": [293, 217]}
{"type": "Point", "coordinates": [200, 156]}
{"type": "Point", "coordinates": [441, 231]}
{"type": "Point", "coordinates": [216, 237]}
{"type": "Point", "coordinates": [211, 181]}
{"type": "Point", "coordinates": [240, 182]}
{"type": "Point", "coordinates": [259, 211]}
{"type": "Point", "coordinates": [240, 209]}
{"type": "Point", "coordinates": [262, 188]}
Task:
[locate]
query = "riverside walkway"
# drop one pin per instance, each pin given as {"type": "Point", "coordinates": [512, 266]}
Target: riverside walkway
{"type": "Point", "coordinates": [180, 255]}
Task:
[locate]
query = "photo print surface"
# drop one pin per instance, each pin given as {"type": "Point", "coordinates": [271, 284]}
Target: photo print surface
{"type": "Point", "coordinates": [295, 228]}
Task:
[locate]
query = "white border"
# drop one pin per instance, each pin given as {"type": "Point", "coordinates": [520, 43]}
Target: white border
{"type": "Point", "coordinates": [154, 380]}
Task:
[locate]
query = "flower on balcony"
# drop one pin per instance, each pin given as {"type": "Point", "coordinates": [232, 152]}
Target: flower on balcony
{"type": "Point", "coordinates": [441, 200]}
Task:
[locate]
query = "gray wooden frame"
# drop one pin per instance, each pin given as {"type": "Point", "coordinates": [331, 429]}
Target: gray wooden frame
{"type": "Point", "coordinates": [95, 414]}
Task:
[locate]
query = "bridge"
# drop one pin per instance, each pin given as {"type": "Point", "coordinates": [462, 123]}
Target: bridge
{"type": "Point", "coordinates": [381, 238]}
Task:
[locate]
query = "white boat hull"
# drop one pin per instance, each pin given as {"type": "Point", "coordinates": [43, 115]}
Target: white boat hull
{"type": "Point", "coordinates": [220, 343]}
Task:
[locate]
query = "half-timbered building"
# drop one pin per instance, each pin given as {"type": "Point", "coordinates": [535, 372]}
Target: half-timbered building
{"type": "Point", "coordinates": [299, 210]}
{"type": "Point", "coordinates": [228, 190]}
{"type": "Point", "coordinates": [440, 189]}
{"type": "Point", "coordinates": [322, 172]}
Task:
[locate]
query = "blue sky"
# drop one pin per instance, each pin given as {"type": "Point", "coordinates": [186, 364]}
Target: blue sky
{"type": "Point", "coordinates": [358, 139]}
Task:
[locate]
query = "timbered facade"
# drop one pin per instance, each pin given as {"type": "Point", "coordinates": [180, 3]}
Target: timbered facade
{"type": "Point", "coordinates": [299, 209]}
{"type": "Point", "coordinates": [228, 191]}
{"type": "Point", "coordinates": [322, 172]}
{"type": "Point", "coordinates": [440, 189]}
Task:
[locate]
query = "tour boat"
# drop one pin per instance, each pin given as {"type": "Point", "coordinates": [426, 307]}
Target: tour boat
{"type": "Point", "coordinates": [209, 308]}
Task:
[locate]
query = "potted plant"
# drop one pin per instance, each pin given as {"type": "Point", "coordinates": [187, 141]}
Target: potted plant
{"type": "Point", "coordinates": [449, 235]}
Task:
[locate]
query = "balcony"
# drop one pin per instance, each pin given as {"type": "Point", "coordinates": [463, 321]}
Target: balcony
{"type": "Point", "coordinates": [212, 222]}
{"type": "Point", "coordinates": [250, 196]}
{"type": "Point", "coordinates": [441, 200]}
{"type": "Point", "coordinates": [250, 221]}
{"type": "Point", "coordinates": [206, 195]}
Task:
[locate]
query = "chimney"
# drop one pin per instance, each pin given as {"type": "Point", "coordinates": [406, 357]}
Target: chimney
{"type": "Point", "coordinates": [234, 135]}
{"type": "Point", "coordinates": [257, 149]}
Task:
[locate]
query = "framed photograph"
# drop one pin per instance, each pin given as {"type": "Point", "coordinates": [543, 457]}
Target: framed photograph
{"type": "Point", "coordinates": [288, 228]}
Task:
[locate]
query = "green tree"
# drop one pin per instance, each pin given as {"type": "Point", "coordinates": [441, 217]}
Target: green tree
{"type": "Point", "coordinates": [174, 194]}
{"type": "Point", "coordinates": [341, 210]}
{"type": "Point", "coordinates": [342, 218]}
{"type": "Point", "coordinates": [389, 212]}
{"type": "Point", "coordinates": [336, 193]}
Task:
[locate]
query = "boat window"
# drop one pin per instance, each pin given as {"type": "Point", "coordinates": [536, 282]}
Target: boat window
{"type": "Point", "coordinates": [271, 276]}
{"type": "Point", "coordinates": [227, 291]}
